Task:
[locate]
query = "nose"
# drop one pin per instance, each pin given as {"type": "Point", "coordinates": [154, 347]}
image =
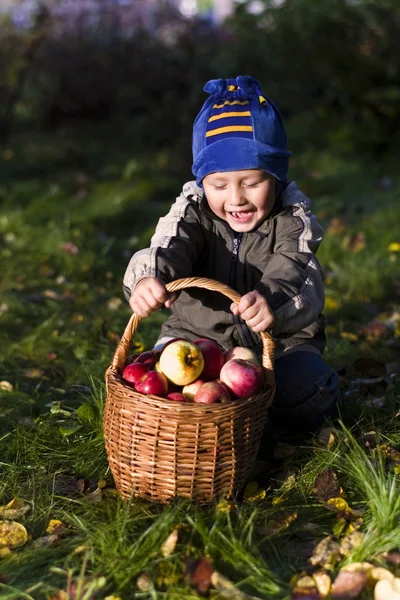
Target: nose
{"type": "Point", "coordinates": [236, 197]}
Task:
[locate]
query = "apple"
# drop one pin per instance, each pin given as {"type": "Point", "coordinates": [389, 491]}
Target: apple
{"type": "Point", "coordinates": [134, 371]}
{"type": "Point", "coordinates": [177, 396]}
{"type": "Point", "coordinates": [181, 362]}
{"type": "Point", "coordinates": [213, 358]}
{"type": "Point", "coordinates": [149, 357]}
{"type": "Point", "coordinates": [152, 383]}
{"type": "Point", "coordinates": [243, 353]}
{"type": "Point", "coordinates": [211, 392]}
{"type": "Point", "coordinates": [190, 389]}
{"type": "Point", "coordinates": [242, 377]}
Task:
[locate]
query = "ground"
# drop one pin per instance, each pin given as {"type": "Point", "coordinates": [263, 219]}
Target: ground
{"type": "Point", "coordinates": [72, 212]}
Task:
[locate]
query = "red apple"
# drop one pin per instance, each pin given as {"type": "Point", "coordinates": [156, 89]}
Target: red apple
{"type": "Point", "coordinates": [211, 392]}
{"type": "Point", "coordinates": [181, 362]}
{"type": "Point", "coordinates": [243, 353]}
{"type": "Point", "coordinates": [134, 371]}
{"type": "Point", "coordinates": [190, 389]}
{"type": "Point", "coordinates": [213, 358]}
{"type": "Point", "coordinates": [177, 396]}
{"type": "Point", "coordinates": [242, 377]}
{"type": "Point", "coordinates": [149, 357]}
{"type": "Point", "coordinates": [152, 383]}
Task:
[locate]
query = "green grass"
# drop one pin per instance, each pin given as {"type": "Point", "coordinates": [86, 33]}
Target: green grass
{"type": "Point", "coordinates": [61, 312]}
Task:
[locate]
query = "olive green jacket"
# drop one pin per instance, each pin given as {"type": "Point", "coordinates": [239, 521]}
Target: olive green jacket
{"type": "Point", "coordinates": [277, 259]}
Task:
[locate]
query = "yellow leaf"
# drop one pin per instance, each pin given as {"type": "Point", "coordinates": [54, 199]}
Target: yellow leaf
{"type": "Point", "coordinates": [225, 506]}
{"type": "Point", "coordinates": [169, 545]}
{"type": "Point", "coordinates": [14, 509]}
{"type": "Point", "coordinates": [55, 526]}
{"type": "Point", "coordinates": [331, 304]}
{"type": "Point", "coordinates": [12, 534]}
{"type": "Point", "coordinates": [394, 247]}
{"type": "Point", "coordinates": [6, 386]}
{"type": "Point", "coordinates": [347, 335]}
{"type": "Point", "coordinates": [323, 583]}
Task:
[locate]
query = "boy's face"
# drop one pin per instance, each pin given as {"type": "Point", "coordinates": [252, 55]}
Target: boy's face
{"type": "Point", "coordinates": [242, 198]}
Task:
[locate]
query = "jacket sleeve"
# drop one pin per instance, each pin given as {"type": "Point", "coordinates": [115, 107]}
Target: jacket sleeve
{"type": "Point", "coordinates": [177, 242]}
{"type": "Point", "coordinates": [293, 281]}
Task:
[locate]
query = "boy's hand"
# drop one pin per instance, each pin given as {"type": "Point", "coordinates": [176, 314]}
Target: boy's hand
{"type": "Point", "coordinates": [150, 294]}
{"type": "Point", "coordinates": [254, 309]}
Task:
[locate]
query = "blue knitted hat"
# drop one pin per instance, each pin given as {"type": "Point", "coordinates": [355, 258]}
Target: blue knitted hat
{"type": "Point", "coordinates": [238, 128]}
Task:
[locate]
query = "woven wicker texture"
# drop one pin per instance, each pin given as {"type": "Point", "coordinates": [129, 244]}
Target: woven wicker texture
{"type": "Point", "coordinates": [159, 449]}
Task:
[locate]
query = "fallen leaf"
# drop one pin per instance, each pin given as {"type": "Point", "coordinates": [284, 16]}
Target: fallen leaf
{"type": "Point", "coordinates": [348, 584]}
{"type": "Point", "coordinates": [6, 386]}
{"type": "Point", "coordinates": [323, 582]}
{"type": "Point", "coordinates": [70, 248]}
{"type": "Point", "coordinates": [377, 574]}
{"type": "Point", "coordinates": [375, 330]}
{"type": "Point", "coordinates": [55, 527]}
{"type": "Point", "coordinates": [326, 485]}
{"type": "Point", "coordinates": [143, 583]}
{"type": "Point", "coordinates": [46, 541]}
{"type": "Point", "coordinates": [225, 506]}
{"type": "Point", "coordinates": [12, 534]}
{"type": "Point", "coordinates": [15, 509]}
{"type": "Point", "coordinates": [363, 567]}
{"type": "Point", "coordinates": [276, 526]}
{"type": "Point", "coordinates": [341, 506]}
{"type": "Point", "coordinates": [198, 574]}
{"type": "Point", "coordinates": [331, 304]}
{"type": "Point", "coordinates": [168, 547]}
{"type": "Point", "coordinates": [227, 589]}
{"type": "Point", "coordinates": [33, 373]}
{"type": "Point", "coordinates": [387, 589]}
{"type": "Point", "coordinates": [326, 553]}
{"type": "Point", "coordinates": [95, 496]}
{"type": "Point", "coordinates": [351, 542]}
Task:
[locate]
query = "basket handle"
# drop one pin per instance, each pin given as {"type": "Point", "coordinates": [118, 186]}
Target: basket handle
{"type": "Point", "coordinates": [121, 352]}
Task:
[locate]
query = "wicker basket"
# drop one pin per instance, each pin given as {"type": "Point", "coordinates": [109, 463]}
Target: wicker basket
{"type": "Point", "coordinates": [159, 449]}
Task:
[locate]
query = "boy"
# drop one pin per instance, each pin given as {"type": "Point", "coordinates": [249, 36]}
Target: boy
{"type": "Point", "coordinates": [242, 223]}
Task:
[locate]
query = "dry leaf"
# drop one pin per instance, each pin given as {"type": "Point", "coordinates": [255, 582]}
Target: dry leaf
{"type": "Point", "coordinates": [387, 589]}
{"type": "Point", "coordinates": [326, 437]}
{"type": "Point", "coordinates": [227, 589]}
{"type": "Point", "coordinates": [6, 386]}
{"type": "Point", "coordinates": [277, 526]}
{"type": "Point", "coordinates": [364, 567]}
{"type": "Point", "coordinates": [351, 542]}
{"type": "Point", "coordinates": [14, 509]}
{"type": "Point", "coordinates": [12, 534]}
{"type": "Point", "coordinates": [326, 485]}
{"type": "Point", "coordinates": [323, 583]}
{"type": "Point", "coordinates": [198, 574]}
{"type": "Point", "coordinates": [348, 584]}
{"type": "Point", "coordinates": [377, 574]}
{"type": "Point", "coordinates": [375, 330]}
{"type": "Point", "coordinates": [326, 553]}
{"type": "Point", "coordinates": [169, 545]}
{"type": "Point", "coordinates": [143, 583]}
{"type": "Point", "coordinates": [340, 505]}
{"type": "Point", "coordinates": [45, 541]}
{"type": "Point", "coordinates": [33, 373]}
{"type": "Point", "coordinates": [55, 527]}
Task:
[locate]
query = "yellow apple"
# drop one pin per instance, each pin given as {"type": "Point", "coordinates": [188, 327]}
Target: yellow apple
{"type": "Point", "coordinates": [181, 362]}
{"type": "Point", "coordinates": [243, 353]}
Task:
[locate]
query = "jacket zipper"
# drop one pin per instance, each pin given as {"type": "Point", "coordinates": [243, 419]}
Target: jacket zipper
{"type": "Point", "coordinates": [232, 279]}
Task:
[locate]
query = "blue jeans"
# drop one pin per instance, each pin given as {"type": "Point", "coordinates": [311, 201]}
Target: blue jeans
{"type": "Point", "coordinates": [307, 391]}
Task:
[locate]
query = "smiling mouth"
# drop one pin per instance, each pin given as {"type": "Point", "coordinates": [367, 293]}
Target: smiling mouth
{"type": "Point", "coordinates": [241, 215]}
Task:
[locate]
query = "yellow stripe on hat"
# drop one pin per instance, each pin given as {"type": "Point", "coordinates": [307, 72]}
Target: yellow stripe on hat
{"type": "Point", "coordinates": [245, 113]}
{"type": "Point", "coordinates": [231, 103]}
{"type": "Point", "coordinates": [227, 129]}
